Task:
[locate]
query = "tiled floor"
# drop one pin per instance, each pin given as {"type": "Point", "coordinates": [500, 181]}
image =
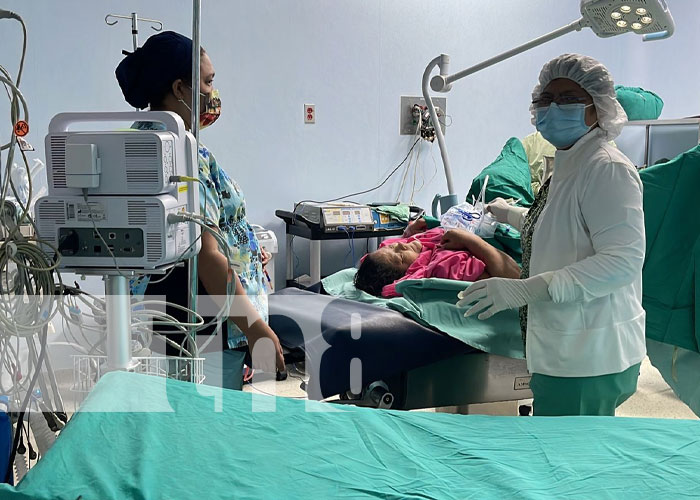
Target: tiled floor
{"type": "Point", "coordinates": [654, 398]}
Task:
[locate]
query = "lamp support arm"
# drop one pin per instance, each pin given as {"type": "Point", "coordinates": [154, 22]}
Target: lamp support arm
{"type": "Point", "coordinates": [443, 61]}
{"type": "Point", "coordinates": [443, 82]}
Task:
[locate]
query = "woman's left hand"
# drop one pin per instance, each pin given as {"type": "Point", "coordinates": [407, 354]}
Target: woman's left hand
{"type": "Point", "coordinates": [415, 227]}
{"type": "Point", "coordinates": [457, 239]}
{"type": "Point", "coordinates": [266, 257]}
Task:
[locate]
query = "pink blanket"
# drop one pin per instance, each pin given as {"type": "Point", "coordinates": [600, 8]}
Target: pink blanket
{"type": "Point", "coordinates": [434, 262]}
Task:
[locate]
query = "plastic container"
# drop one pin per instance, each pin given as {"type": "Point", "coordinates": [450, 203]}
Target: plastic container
{"type": "Point", "coordinates": [471, 218]}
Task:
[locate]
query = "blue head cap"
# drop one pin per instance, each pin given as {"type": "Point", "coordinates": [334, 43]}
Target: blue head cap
{"type": "Point", "coordinates": [145, 76]}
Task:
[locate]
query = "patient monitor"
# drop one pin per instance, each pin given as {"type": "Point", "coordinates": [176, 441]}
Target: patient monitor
{"type": "Point", "coordinates": [111, 192]}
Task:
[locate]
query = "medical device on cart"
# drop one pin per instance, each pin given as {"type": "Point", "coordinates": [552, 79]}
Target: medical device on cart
{"type": "Point", "coordinates": [114, 197]}
{"type": "Point", "coordinates": [120, 204]}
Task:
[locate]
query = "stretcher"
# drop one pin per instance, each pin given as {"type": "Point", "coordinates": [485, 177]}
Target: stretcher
{"type": "Point", "coordinates": [372, 356]}
{"type": "Point", "coordinates": [144, 437]}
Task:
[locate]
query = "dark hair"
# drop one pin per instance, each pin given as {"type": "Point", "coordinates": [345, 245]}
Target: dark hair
{"type": "Point", "coordinates": [374, 274]}
{"type": "Point", "coordinates": [146, 75]}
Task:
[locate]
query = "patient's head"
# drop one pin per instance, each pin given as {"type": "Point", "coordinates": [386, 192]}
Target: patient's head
{"type": "Point", "coordinates": [385, 266]}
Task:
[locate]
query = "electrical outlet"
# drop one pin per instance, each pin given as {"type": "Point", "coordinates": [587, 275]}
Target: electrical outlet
{"type": "Point", "coordinates": [309, 113]}
{"type": "Point", "coordinates": [408, 122]}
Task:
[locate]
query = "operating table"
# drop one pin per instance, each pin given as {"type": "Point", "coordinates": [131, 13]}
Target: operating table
{"type": "Point", "coordinates": [372, 356]}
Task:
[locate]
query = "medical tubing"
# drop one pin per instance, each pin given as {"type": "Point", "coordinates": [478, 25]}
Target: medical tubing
{"type": "Point", "coordinates": [15, 94]}
{"type": "Point", "coordinates": [6, 14]}
{"type": "Point", "coordinates": [43, 435]}
{"type": "Point", "coordinates": [34, 304]}
{"type": "Point", "coordinates": [482, 196]}
{"type": "Point", "coordinates": [199, 322]}
{"type": "Point", "coordinates": [368, 190]}
{"type": "Point", "coordinates": [352, 244]}
{"type": "Point", "coordinates": [417, 136]}
{"type": "Point", "coordinates": [230, 286]}
{"type": "Point", "coordinates": [25, 404]}
{"type": "Point", "coordinates": [99, 234]}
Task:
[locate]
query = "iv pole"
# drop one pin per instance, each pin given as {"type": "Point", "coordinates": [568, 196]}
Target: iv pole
{"type": "Point", "coordinates": [134, 26]}
{"type": "Point", "coordinates": [194, 126]}
{"type": "Point", "coordinates": [192, 276]}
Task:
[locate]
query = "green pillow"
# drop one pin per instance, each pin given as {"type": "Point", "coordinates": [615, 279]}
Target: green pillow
{"type": "Point", "coordinates": [639, 104]}
{"type": "Point", "coordinates": [509, 176]}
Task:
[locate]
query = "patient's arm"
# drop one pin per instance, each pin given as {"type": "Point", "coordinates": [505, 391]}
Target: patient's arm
{"type": "Point", "coordinates": [498, 264]}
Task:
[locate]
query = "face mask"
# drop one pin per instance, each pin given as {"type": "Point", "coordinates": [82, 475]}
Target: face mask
{"type": "Point", "coordinates": [562, 125]}
{"type": "Point", "coordinates": [210, 108]}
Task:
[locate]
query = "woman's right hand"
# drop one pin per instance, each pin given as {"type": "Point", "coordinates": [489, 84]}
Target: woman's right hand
{"type": "Point", "coordinates": [262, 354]}
{"type": "Point", "coordinates": [457, 239]}
{"type": "Point", "coordinates": [508, 214]}
{"type": "Point", "coordinates": [500, 209]}
{"type": "Point", "coordinates": [415, 227]}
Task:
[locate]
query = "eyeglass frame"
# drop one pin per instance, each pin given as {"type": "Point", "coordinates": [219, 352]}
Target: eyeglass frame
{"type": "Point", "coordinates": [562, 100]}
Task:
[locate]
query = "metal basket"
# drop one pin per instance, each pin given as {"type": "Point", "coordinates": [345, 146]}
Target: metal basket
{"type": "Point", "coordinates": [87, 369]}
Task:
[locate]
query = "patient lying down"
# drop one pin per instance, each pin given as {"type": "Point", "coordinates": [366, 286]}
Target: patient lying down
{"type": "Point", "coordinates": [438, 253]}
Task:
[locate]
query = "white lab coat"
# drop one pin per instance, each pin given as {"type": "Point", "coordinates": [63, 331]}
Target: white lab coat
{"type": "Point", "coordinates": [591, 235]}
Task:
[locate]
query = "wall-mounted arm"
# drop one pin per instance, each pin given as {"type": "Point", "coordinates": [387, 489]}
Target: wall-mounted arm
{"type": "Point", "coordinates": [440, 82]}
{"type": "Point", "coordinates": [443, 83]}
{"type": "Point", "coordinates": [443, 61]}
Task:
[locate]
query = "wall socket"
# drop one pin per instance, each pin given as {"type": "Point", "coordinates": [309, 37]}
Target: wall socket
{"type": "Point", "coordinates": [407, 123]}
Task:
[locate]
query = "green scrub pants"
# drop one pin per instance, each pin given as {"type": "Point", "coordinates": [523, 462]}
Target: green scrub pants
{"type": "Point", "coordinates": [560, 396]}
{"type": "Point", "coordinates": [225, 368]}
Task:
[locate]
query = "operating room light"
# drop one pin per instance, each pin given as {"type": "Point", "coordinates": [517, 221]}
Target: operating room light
{"type": "Point", "coordinates": [606, 18]}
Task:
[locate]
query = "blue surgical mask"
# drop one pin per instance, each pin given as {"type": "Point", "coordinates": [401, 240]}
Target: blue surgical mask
{"type": "Point", "coordinates": [562, 125]}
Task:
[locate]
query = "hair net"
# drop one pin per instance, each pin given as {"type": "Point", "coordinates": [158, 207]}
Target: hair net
{"type": "Point", "coordinates": [595, 79]}
{"type": "Point", "coordinates": [146, 75]}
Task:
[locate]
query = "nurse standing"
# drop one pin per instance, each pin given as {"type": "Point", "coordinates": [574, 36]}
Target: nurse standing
{"type": "Point", "coordinates": [580, 292]}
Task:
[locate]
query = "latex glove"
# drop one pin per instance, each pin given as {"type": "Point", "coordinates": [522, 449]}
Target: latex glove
{"type": "Point", "coordinates": [494, 295]}
{"type": "Point", "coordinates": [507, 213]}
{"type": "Point", "coordinates": [415, 227]}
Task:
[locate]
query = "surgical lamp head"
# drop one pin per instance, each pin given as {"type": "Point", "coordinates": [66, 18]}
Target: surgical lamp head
{"type": "Point", "coordinates": [649, 18]}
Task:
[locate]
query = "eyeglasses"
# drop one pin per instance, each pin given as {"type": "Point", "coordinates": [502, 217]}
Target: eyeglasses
{"type": "Point", "coordinates": [544, 102]}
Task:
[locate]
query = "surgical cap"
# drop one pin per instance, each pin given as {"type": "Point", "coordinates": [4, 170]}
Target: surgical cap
{"type": "Point", "coordinates": [145, 76]}
{"type": "Point", "coordinates": [595, 79]}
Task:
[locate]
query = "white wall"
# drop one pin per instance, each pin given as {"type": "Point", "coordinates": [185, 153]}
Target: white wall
{"type": "Point", "coordinates": [353, 59]}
